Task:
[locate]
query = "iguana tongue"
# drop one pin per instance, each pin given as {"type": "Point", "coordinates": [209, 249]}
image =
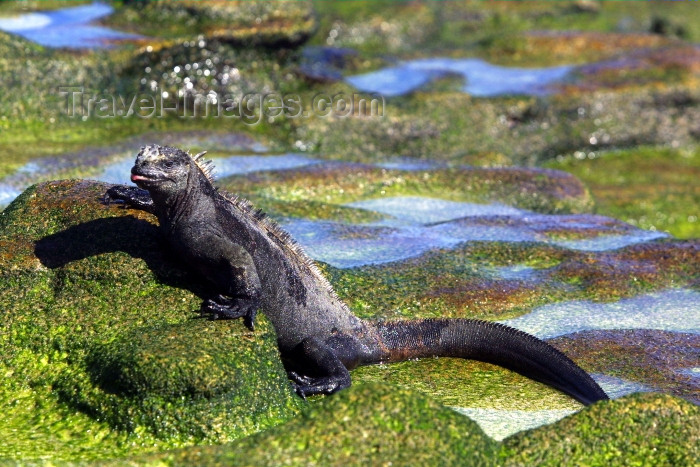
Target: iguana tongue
{"type": "Point", "coordinates": [135, 177]}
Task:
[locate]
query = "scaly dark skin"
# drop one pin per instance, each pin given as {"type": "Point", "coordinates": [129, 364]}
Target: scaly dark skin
{"type": "Point", "coordinates": [251, 265]}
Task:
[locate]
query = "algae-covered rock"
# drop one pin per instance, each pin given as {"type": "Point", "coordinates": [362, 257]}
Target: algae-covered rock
{"type": "Point", "coordinates": [642, 429]}
{"type": "Point", "coordinates": [370, 424]}
{"type": "Point", "coordinates": [99, 325]}
{"type": "Point", "coordinates": [242, 22]}
{"type": "Point", "coordinates": [640, 355]}
{"type": "Point", "coordinates": [546, 191]}
{"type": "Point", "coordinates": [13, 47]}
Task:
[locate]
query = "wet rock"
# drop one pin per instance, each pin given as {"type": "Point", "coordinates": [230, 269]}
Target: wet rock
{"type": "Point", "coordinates": [649, 187]}
{"type": "Point", "coordinates": [206, 76]}
{"type": "Point", "coordinates": [546, 191]}
{"type": "Point", "coordinates": [326, 64]}
{"type": "Point", "coordinates": [658, 359]}
{"type": "Point", "coordinates": [587, 46]}
{"type": "Point", "coordinates": [669, 64]}
{"type": "Point", "coordinates": [13, 47]}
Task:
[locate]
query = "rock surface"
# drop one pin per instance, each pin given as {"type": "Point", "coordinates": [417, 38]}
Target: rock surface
{"type": "Point", "coordinates": [99, 321]}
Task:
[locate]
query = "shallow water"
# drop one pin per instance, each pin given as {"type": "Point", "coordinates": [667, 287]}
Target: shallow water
{"type": "Point", "coordinates": [235, 165]}
{"type": "Point", "coordinates": [420, 224]}
{"type": "Point", "coordinates": [670, 310]}
{"type": "Point", "coordinates": [501, 423]}
{"type": "Point", "coordinates": [518, 272]}
{"type": "Point", "coordinates": [421, 210]}
{"type": "Point", "coordinates": [409, 164]}
{"type": "Point", "coordinates": [612, 242]}
{"type": "Point", "coordinates": [480, 77]}
{"type": "Point", "coordinates": [7, 194]}
{"type": "Point", "coordinates": [692, 372]}
{"type": "Point", "coordinates": [66, 27]}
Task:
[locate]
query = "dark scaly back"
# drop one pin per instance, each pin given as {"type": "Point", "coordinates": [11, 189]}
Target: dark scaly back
{"type": "Point", "coordinates": [492, 343]}
{"type": "Point", "coordinates": [272, 230]}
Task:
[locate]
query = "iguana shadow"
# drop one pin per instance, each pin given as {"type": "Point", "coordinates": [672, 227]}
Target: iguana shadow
{"type": "Point", "coordinates": [136, 237]}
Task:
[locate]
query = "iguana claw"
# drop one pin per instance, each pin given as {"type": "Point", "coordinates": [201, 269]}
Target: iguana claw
{"type": "Point", "coordinates": [231, 308]}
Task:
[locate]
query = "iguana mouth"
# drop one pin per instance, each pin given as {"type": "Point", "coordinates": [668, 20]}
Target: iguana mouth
{"type": "Point", "coordinates": [145, 177]}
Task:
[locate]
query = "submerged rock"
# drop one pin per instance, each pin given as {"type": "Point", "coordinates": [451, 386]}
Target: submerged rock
{"type": "Point", "coordinates": [641, 355]}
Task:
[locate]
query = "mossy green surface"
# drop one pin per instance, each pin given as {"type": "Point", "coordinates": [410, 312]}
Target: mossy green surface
{"type": "Point", "coordinates": [538, 190]}
{"type": "Point", "coordinates": [101, 351]}
{"type": "Point", "coordinates": [467, 383]}
{"type": "Point", "coordinates": [651, 187]}
{"type": "Point", "coordinates": [246, 23]}
{"type": "Point", "coordinates": [637, 430]}
{"type": "Point", "coordinates": [151, 378]}
{"type": "Point", "coordinates": [378, 424]}
{"type": "Point", "coordinates": [496, 29]}
{"type": "Point", "coordinates": [83, 382]}
{"type": "Point", "coordinates": [10, 8]}
{"type": "Point", "coordinates": [368, 424]}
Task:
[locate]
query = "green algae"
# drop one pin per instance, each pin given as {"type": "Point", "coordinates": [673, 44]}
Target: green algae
{"type": "Point", "coordinates": [497, 29]}
{"type": "Point", "coordinates": [440, 123]}
{"type": "Point", "coordinates": [402, 428]}
{"type": "Point", "coordinates": [113, 380]}
{"type": "Point", "coordinates": [13, 7]}
{"type": "Point", "coordinates": [642, 429]}
{"type": "Point", "coordinates": [185, 382]}
{"type": "Point", "coordinates": [246, 23]}
{"type": "Point", "coordinates": [650, 187]}
{"type": "Point", "coordinates": [316, 210]}
{"type": "Point", "coordinates": [467, 383]}
{"type": "Point", "coordinates": [538, 190]}
{"type": "Point", "coordinates": [368, 424]}
{"type": "Point", "coordinates": [101, 351]}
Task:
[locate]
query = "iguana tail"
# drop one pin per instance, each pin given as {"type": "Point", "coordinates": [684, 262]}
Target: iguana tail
{"type": "Point", "coordinates": [488, 342]}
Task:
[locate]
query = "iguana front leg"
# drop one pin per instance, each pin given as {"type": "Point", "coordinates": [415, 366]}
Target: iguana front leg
{"type": "Point", "coordinates": [130, 196]}
{"type": "Point", "coordinates": [232, 308]}
{"type": "Point", "coordinates": [231, 270]}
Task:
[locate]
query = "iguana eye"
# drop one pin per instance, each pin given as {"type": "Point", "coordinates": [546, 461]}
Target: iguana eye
{"type": "Point", "coordinates": [169, 164]}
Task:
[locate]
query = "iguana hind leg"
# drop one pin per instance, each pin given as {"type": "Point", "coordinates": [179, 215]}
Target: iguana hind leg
{"type": "Point", "coordinates": [316, 369]}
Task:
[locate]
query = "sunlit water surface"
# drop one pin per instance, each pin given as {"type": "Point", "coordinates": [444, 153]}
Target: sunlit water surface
{"type": "Point", "coordinates": [66, 27]}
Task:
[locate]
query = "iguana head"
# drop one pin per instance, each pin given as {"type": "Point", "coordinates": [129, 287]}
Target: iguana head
{"type": "Point", "coordinates": [166, 170]}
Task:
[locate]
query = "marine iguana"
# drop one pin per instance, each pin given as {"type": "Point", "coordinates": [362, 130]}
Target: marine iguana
{"type": "Point", "coordinates": [251, 264]}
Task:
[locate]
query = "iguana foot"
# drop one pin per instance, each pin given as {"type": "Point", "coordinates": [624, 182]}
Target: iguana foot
{"type": "Point", "coordinates": [130, 196]}
{"type": "Point", "coordinates": [231, 308]}
{"type": "Point", "coordinates": [310, 386]}
{"type": "Point", "coordinates": [316, 369]}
